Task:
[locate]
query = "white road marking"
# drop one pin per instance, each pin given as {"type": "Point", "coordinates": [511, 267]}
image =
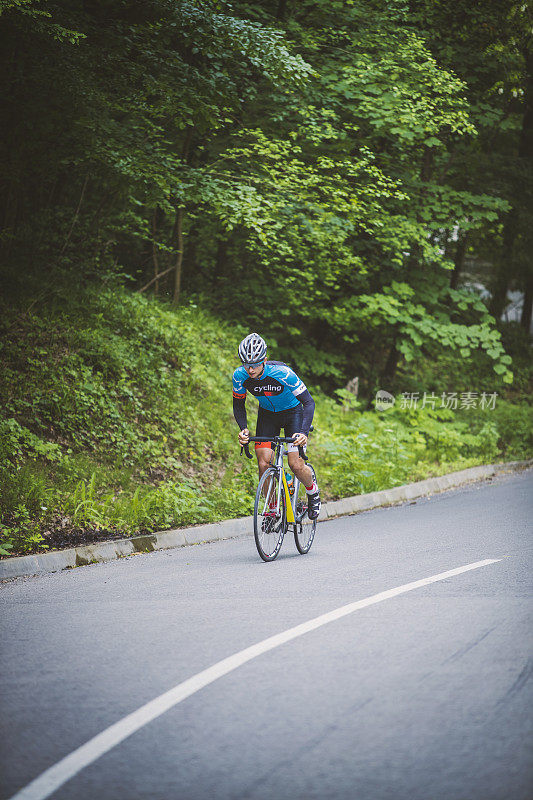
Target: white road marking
{"type": "Point", "coordinates": [54, 777]}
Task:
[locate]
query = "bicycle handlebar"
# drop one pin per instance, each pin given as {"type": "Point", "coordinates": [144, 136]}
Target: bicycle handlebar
{"type": "Point", "coordinates": [283, 439]}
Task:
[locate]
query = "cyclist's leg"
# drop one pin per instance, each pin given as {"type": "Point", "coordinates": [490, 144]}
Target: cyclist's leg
{"type": "Point", "coordinates": [300, 468]}
{"type": "Point", "coordinates": [303, 471]}
{"type": "Point", "coordinates": [264, 456]}
{"type": "Point", "coordinates": [268, 424]}
{"type": "Point", "coordinates": [293, 424]}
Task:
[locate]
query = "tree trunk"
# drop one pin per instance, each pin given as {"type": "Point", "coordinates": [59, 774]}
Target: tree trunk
{"type": "Point", "coordinates": [526, 151]}
{"type": "Point", "coordinates": [392, 362]}
{"type": "Point", "coordinates": [427, 164]}
{"type": "Point", "coordinates": [10, 220]}
{"type": "Point", "coordinates": [282, 7]}
{"type": "Point", "coordinates": [155, 255]}
{"type": "Point", "coordinates": [178, 227]}
{"type": "Point", "coordinates": [526, 134]}
{"type": "Point", "coordinates": [190, 256]}
{"type": "Point", "coordinates": [459, 260]}
{"type": "Point", "coordinates": [505, 266]}
{"type": "Point", "coordinates": [525, 319]}
{"type": "Point", "coordinates": [76, 215]}
{"type": "Point", "coordinates": [150, 283]}
{"type": "Point", "coordinates": [221, 260]}
{"type": "Point", "coordinates": [177, 232]}
{"type": "Point", "coordinates": [415, 259]}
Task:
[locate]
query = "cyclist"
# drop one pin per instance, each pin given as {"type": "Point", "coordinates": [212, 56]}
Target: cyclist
{"type": "Point", "coordinates": [284, 402]}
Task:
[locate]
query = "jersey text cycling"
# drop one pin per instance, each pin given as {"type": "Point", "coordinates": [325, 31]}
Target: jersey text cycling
{"type": "Point", "coordinates": [277, 389]}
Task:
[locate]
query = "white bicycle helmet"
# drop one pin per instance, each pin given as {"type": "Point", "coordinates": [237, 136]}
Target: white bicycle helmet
{"type": "Point", "coordinates": [252, 349]}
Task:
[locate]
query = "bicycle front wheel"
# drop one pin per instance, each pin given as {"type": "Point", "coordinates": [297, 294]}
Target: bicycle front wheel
{"type": "Point", "coordinates": [270, 520]}
{"type": "Point", "coordinates": [305, 528]}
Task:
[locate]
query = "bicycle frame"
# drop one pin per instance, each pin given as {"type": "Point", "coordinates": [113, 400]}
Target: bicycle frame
{"type": "Point", "coordinates": [277, 463]}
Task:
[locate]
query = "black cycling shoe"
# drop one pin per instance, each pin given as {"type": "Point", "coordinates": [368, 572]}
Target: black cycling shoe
{"type": "Point", "coordinates": [313, 505]}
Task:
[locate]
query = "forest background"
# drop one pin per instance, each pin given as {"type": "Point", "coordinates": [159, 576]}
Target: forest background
{"type": "Point", "coordinates": [352, 179]}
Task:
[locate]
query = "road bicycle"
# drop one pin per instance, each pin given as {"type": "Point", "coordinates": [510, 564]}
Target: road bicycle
{"type": "Point", "coordinates": [279, 504]}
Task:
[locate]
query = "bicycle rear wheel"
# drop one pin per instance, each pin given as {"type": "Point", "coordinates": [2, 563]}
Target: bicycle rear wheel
{"type": "Point", "coordinates": [305, 528]}
{"type": "Point", "coordinates": [270, 523]}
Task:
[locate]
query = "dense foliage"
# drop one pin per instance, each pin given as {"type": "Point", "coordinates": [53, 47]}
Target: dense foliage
{"type": "Point", "coordinates": [353, 178]}
{"type": "Point", "coordinates": [318, 169]}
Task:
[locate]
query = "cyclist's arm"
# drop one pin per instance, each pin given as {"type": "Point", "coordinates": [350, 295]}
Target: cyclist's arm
{"type": "Point", "coordinates": [309, 409]}
{"type": "Point", "coordinates": [301, 392]}
{"type": "Point", "coordinates": [239, 398]}
{"type": "Point", "coordinates": [239, 410]}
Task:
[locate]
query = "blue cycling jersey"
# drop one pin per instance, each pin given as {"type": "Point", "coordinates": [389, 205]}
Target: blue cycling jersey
{"type": "Point", "coordinates": [277, 389]}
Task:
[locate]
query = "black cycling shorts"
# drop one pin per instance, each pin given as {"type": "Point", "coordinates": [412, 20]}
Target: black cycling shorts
{"type": "Point", "coordinates": [270, 423]}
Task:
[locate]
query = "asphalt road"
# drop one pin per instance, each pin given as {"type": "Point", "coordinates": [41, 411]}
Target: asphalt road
{"type": "Point", "coordinates": [424, 696]}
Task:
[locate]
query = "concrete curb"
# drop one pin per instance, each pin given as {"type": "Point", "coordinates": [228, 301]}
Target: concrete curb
{"type": "Point", "coordinates": [230, 528]}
